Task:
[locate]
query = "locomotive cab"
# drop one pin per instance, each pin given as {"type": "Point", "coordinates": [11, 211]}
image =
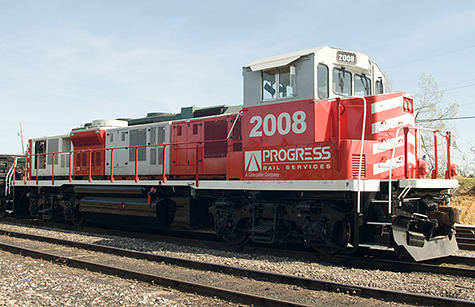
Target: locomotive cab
{"type": "Point", "coordinates": [321, 115]}
{"type": "Point", "coordinates": [319, 73]}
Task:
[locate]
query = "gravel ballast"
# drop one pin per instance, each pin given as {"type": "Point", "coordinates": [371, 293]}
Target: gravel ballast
{"type": "Point", "coordinates": [417, 282]}
{"type": "Point", "coordinates": [30, 282]}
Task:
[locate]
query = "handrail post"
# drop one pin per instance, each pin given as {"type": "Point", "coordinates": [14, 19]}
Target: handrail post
{"type": "Point", "coordinates": [197, 169]}
{"type": "Point", "coordinates": [406, 152]}
{"type": "Point", "coordinates": [27, 160]}
{"type": "Point", "coordinates": [436, 158]}
{"type": "Point", "coordinates": [90, 165]}
{"type": "Point", "coordinates": [52, 169]}
{"type": "Point", "coordinates": [70, 166]}
{"type": "Point", "coordinates": [112, 165]}
{"type": "Point", "coordinates": [164, 177]}
{"type": "Point", "coordinates": [136, 164]}
{"type": "Point", "coordinates": [37, 167]}
{"type": "Point", "coordinates": [14, 170]}
{"type": "Point", "coordinates": [449, 168]}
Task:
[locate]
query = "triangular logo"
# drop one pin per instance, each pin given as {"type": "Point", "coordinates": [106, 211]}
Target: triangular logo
{"type": "Point", "coordinates": [253, 161]}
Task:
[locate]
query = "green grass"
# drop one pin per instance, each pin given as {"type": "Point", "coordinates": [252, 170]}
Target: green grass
{"type": "Point", "coordinates": [466, 184]}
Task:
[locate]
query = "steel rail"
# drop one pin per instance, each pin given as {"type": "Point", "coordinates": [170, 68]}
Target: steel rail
{"type": "Point", "coordinates": [178, 284]}
{"type": "Point", "coordinates": [465, 235]}
{"type": "Point", "coordinates": [455, 260]}
{"type": "Point", "coordinates": [361, 262]}
{"type": "Point", "coordinates": [313, 284]}
{"type": "Point", "coordinates": [369, 256]}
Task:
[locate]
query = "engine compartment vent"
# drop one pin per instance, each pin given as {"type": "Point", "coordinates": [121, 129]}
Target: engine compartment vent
{"type": "Point", "coordinates": [355, 165]}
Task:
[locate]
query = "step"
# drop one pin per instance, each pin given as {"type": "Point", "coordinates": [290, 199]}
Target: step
{"type": "Point", "coordinates": [263, 228]}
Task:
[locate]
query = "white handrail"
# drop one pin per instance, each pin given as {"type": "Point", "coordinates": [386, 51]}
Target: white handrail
{"type": "Point", "coordinates": [361, 155]}
{"type": "Point", "coordinates": [9, 177]}
{"type": "Point", "coordinates": [234, 124]}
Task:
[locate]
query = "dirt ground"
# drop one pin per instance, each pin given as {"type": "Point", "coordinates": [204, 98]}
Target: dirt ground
{"type": "Point", "coordinates": [464, 199]}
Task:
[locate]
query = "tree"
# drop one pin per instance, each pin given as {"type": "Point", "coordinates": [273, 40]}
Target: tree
{"type": "Point", "coordinates": [388, 83]}
{"type": "Point", "coordinates": [429, 113]}
{"type": "Point", "coordinates": [468, 162]}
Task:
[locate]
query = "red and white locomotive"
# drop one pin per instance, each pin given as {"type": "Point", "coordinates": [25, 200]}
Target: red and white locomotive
{"type": "Point", "coordinates": [317, 154]}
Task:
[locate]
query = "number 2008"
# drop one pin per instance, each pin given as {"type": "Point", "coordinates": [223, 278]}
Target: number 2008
{"type": "Point", "coordinates": [346, 58]}
{"type": "Point", "coordinates": [283, 124]}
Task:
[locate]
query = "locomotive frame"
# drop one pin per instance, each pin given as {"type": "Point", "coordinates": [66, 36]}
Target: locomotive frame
{"type": "Point", "coordinates": [304, 160]}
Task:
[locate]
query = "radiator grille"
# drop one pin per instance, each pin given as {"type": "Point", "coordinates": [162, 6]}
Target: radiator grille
{"type": "Point", "coordinates": [355, 165]}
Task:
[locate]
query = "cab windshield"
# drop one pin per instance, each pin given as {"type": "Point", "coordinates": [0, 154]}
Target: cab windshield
{"type": "Point", "coordinates": [341, 82]}
{"type": "Point", "coordinates": [362, 85]}
{"type": "Point", "coordinates": [347, 84]}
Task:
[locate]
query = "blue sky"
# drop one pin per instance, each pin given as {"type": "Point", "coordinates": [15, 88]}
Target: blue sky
{"type": "Point", "coordinates": [65, 63]}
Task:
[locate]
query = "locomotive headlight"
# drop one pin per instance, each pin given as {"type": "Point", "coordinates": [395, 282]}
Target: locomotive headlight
{"type": "Point", "coordinates": [424, 169]}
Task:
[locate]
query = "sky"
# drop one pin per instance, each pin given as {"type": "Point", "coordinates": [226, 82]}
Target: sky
{"type": "Point", "coordinates": [66, 63]}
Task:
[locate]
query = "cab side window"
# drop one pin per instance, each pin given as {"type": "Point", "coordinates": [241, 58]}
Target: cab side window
{"type": "Point", "coordinates": [379, 87]}
{"type": "Point", "coordinates": [322, 81]}
{"type": "Point", "coordinates": [278, 83]}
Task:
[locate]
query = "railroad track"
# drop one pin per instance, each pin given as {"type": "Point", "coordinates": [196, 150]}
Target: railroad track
{"type": "Point", "coordinates": [465, 235]}
{"type": "Point", "coordinates": [312, 284]}
{"type": "Point", "coordinates": [363, 258]}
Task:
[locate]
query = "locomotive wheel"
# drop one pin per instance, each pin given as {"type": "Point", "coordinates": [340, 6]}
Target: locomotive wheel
{"type": "Point", "coordinates": [36, 210]}
{"type": "Point", "coordinates": [240, 235]}
{"type": "Point", "coordinates": [239, 238]}
{"type": "Point", "coordinates": [341, 237]}
{"type": "Point", "coordinates": [79, 219]}
{"type": "Point", "coordinates": [40, 216]}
